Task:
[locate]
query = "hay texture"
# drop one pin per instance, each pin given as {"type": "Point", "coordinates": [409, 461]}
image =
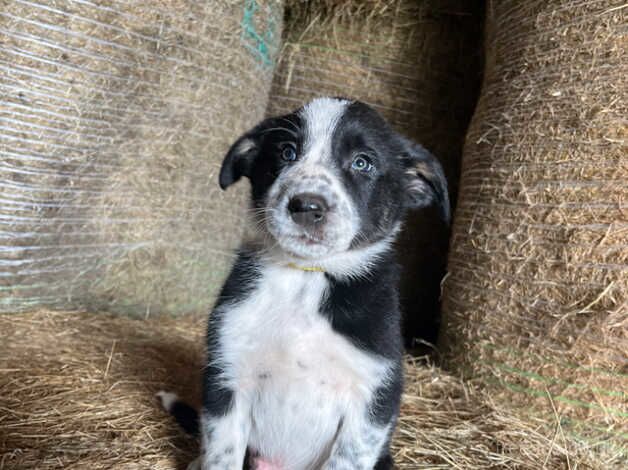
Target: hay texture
{"type": "Point", "coordinates": [115, 117]}
{"type": "Point", "coordinates": [77, 391]}
{"type": "Point", "coordinates": [536, 302]}
{"type": "Point", "coordinates": [418, 63]}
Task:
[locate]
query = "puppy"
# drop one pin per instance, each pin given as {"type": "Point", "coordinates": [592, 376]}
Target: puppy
{"type": "Point", "coordinates": [304, 367]}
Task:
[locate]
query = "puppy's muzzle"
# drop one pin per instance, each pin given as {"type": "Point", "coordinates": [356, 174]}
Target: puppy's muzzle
{"type": "Point", "coordinates": [308, 210]}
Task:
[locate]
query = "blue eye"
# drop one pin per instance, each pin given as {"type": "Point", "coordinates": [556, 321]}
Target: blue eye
{"type": "Point", "coordinates": [362, 163]}
{"type": "Point", "coordinates": [289, 153]}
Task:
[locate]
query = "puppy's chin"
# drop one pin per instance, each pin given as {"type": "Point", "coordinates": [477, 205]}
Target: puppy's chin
{"type": "Point", "coordinates": [304, 247]}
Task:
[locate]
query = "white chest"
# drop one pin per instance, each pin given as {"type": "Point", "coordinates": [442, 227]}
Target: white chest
{"type": "Point", "coordinates": [299, 377]}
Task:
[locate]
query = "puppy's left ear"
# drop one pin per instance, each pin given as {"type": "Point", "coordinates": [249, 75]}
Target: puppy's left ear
{"type": "Point", "coordinates": [241, 156]}
{"type": "Point", "coordinates": [425, 182]}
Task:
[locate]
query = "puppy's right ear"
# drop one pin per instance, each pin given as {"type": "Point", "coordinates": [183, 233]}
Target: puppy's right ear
{"type": "Point", "coordinates": [240, 158]}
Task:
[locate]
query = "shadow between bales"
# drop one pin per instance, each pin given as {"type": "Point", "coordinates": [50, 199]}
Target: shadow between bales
{"type": "Point", "coordinates": [448, 48]}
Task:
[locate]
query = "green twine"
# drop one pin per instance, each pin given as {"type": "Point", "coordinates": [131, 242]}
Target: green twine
{"type": "Point", "coordinates": [256, 43]}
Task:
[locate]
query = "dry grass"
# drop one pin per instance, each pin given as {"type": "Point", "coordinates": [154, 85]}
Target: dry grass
{"type": "Point", "coordinates": [116, 116]}
{"type": "Point", "coordinates": [77, 391]}
{"type": "Point", "coordinates": [536, 303]}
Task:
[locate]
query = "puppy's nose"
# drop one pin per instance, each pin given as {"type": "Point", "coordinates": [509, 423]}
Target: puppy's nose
{"type": "Point", "coordinates": [307, 209]}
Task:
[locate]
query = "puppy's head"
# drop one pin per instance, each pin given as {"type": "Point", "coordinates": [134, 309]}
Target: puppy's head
{"type": "Point", "coordinates": [333, 177]}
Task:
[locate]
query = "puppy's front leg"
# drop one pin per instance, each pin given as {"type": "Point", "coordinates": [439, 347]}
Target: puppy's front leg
{"type": "Point", "coordinates": [364, 434]}
{"type": "Point", "coordinates": [360, 444]}
{"type": "Point", "coordinates": [225, 426]}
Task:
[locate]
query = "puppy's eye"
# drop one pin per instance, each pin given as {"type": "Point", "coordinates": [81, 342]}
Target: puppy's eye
{"type": "Point", "coordinates": [361, 162]}
{"type": "Point", "coordinates": [289, 153]}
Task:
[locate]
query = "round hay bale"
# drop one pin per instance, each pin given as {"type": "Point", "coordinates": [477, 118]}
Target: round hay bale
{"type": "Point", "coordinates": [418, 63]}
{"type": "Point", "coordinates": [77, 390]}
{"type": "Point", "coordinates": [536, 301]}
{"type": "Point", "coordinates": [115, 117]}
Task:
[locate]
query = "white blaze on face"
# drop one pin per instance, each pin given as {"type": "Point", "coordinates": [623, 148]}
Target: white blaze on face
{"type": "Point", "coordinates": [315, 172]}
{"type": "Point", "coordinates": [321, 117]}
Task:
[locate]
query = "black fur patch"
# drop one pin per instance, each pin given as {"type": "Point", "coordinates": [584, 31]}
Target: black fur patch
{"type": "Point", "coordinates": [385, 463]}
{"type": "Point", "coordinates": [241, 280]}
{"type": "Point", "coordinates": [218, 399]}
{"type": "Point", "coordinates": [366, 309]}
{"type": "Point", "coordinates": [186, 416]}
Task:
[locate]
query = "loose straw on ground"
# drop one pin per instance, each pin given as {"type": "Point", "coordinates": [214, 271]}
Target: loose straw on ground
{"type": "Point", "coordinates": [77, 391]}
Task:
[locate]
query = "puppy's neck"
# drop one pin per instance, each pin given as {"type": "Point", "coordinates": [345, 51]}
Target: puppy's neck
{"type": "Point", "coordinates": [351, 264]}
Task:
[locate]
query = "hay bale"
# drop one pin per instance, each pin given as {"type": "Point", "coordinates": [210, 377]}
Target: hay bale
{"type": "Point", "coordinates": [77, 391]}
{"type": "Point", "coordinates": [536, 299]}
{"type": "Point", "coordinates": [115, 117]}
{"type": "Point", "coordinates": [418, 63]}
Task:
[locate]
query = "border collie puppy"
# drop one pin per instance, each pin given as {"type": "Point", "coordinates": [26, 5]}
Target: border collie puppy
{"type": "Point", "coordinates": [304, 367]}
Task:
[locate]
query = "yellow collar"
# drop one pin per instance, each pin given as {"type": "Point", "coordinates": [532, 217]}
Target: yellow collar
{"type": "Point", "coordinates": [316, 269]}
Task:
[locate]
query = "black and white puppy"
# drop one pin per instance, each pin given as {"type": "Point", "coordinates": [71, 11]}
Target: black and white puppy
{"type": "Point", "coordinates": [304, 346]}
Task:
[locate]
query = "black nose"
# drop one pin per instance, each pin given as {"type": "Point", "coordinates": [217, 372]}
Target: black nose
{"type": "Point", "coordinates": [307, 209]}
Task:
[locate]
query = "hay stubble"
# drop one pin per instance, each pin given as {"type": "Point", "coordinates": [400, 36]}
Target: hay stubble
{"type": "Point", "coordinates": [77, 391]}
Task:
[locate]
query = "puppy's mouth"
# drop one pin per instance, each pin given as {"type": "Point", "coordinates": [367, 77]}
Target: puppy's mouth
{"type": "Point", "coordinates": [304, 240]}
{"type": "Point", "coordinates": [309, 239]}
{"type": "Point", "coordinates": [303, 245]}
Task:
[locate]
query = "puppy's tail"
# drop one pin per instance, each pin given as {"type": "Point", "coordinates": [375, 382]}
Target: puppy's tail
{"type": "Point", "coordinates": [184, 414]}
